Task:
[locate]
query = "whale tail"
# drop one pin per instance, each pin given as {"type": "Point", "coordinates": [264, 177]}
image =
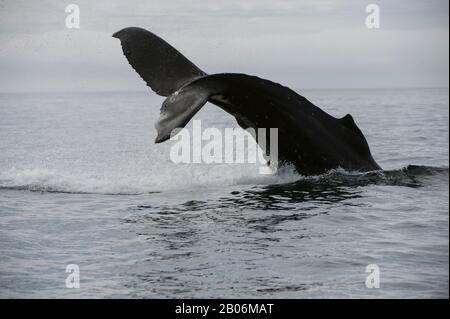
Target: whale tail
{"type": "Point", "coordinates": [160, 65]}
{"type": "Point", "coordinates": [309, 138]}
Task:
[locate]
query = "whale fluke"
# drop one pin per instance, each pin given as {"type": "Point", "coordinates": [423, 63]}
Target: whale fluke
{"type": "Point", "coordinates": [160, 65]}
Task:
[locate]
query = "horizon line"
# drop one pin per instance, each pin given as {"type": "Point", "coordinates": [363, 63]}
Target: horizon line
{"type": "Point", "coordinates": [296, 89]}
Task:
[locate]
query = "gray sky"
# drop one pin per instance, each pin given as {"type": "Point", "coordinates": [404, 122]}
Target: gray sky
{"type": "Point", "coordinates": [302, 44]}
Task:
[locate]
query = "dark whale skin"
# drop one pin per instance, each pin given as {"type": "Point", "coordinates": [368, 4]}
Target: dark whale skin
{"type": "Point", "coordinates": [311, 140]}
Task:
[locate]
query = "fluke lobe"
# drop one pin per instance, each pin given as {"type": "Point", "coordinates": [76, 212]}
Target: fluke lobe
{"type": "Point", "coordinates": [308, 138]}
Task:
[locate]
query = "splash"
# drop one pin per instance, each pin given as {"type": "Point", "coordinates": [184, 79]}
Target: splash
{"type": "Point", "coordinates": [46, 180]}
{"type": "Point", "coordinates": [125, 183]}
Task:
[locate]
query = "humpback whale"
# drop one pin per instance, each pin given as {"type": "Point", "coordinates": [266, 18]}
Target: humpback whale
{"type": "Point", "coordinates": [310, 139]}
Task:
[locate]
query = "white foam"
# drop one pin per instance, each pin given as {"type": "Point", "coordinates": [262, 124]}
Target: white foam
{"type": "Point", "coordinates": [123, 182]}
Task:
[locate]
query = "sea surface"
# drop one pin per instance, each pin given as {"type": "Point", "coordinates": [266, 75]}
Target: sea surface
{"type": "Point", "coordinates": [82, 182]}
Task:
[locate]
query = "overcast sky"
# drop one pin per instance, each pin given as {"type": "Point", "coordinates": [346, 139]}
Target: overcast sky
{"type": "Point", "coordinates": [302, 44]}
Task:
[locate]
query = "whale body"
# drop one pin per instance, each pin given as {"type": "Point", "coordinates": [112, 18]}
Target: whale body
{"type": "Point", "coordinates": [310, 139]}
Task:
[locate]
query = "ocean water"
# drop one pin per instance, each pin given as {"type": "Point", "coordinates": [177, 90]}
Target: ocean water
{"type": "Point", "coordinates": [81, 182]}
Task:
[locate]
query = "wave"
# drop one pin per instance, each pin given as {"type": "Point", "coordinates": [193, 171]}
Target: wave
{"type": "Point", "coordinates": [45, 180]}
{"type": "Point", "coordinates": [54, 181]}
{"type": "Point", "coordinates": [132, 183]}
{"type": "Point", "coordinates": [409, 176]}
